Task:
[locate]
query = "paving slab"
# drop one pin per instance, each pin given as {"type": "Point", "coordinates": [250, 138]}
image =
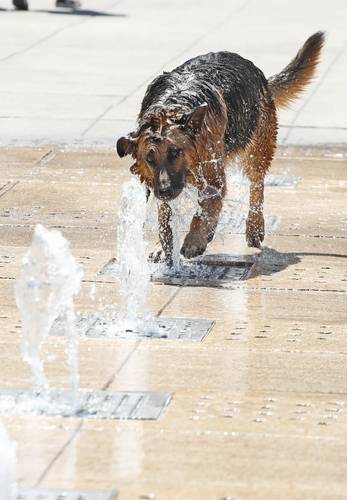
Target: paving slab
{"type": "Point", "coordinates": [79, 78]}
{"type": "Point", "coordinates": [33, 452]}
{"type": "Point", "coordinates": [266, 424]}
{"type": "Point", "coordinates": [258, 407]}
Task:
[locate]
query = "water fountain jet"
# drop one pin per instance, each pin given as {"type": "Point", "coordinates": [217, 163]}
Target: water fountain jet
{"type": "Point", "coordinates": [132, 269]}
{"type": "Point", "coordinates": [8, 460]}
{"type": "Point", "coordinates": [48, 280]}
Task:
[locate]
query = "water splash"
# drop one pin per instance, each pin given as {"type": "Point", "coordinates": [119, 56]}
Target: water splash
{"type": "Point", "coordinates": [235, 205]}
{"type": "Point", "coordinates": [133, 272]}
{"type": "Point", "coordinates": [183, 210]}
{"type": "Point", "coordinates": [232, 220]}
{"type": "Point", "coordinates": [8, 486]}
{"type": "Point", "coordinates": [49, 279]}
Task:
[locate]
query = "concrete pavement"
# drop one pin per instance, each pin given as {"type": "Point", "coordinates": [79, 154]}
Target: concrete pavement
{"type": "Point", "coordinates": [78, 78]}
{"type": "Point", "coordinates": [260, 406]}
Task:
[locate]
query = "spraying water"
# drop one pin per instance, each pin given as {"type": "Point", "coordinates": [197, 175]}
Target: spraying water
{"type": "Point", "coordinates": [49, 279]}
{"type": "Point", "coordinates": [232, 220]}
{"type": "Point", "coordinates": [8, 487]}
{"type": "Point", "coordinates": [235, 205]}
{"type": "Point", "coordinates": [133, 271]}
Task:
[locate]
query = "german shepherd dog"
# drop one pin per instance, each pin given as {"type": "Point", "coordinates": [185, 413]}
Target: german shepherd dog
{"type": "Point", "coordinates": [196, 118]}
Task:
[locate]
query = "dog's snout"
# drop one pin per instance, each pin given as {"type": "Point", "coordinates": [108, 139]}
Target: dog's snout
{"type": "Point", "coordinates": [168, 186]}
{"type": "Point", "coordinates": [164, 181]}
{"type": "Point", "coordinates": [165, 192]}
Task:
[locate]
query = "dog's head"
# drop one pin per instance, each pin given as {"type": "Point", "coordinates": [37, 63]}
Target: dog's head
{"type": "Point", "coordinates": [164, 150]}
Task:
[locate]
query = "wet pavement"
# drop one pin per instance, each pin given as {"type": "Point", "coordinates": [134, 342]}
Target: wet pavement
{"type": "Point", "coordinates": [259, 407]}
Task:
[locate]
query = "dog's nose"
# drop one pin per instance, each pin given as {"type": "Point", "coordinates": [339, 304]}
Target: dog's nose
{"type": "Point", "coordinates": [165, 191]}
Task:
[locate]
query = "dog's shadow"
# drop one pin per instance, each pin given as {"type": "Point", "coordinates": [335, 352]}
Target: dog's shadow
{"type": "Point", "coordinates": [269, 261]}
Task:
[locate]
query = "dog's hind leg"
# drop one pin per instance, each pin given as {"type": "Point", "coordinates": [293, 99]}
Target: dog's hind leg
{"type": "Point", "coordinates": [255, 230]}
{"type": "Point", "coordinates": [256, 161]}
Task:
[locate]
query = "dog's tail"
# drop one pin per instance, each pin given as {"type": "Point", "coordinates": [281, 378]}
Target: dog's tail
{"type": "Point", "coordinates": [288, 85]}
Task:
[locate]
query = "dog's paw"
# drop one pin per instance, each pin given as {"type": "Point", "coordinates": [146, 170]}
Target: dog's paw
{"type": "Point", "coordinates": [194, 244]}
{"type": "Point", "coordinates": [255, 231]}
{"type": "Point", "coordinates": [157, 256]}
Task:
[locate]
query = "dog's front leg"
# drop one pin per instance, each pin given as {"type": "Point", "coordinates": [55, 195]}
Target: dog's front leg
{"type": "Point", "coordinates": [204, 223]}
{"type": "Point", "coordinates": [165, 235]}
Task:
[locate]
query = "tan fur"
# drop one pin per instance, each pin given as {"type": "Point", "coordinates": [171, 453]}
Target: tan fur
{"type": "Point", "coordinates": [256, 161]}
{"type": "Point", "coordinates": [291, 82]}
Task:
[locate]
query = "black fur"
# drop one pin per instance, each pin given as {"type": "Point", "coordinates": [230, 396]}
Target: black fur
{"type": "Point", "coordinates": [201, 80]}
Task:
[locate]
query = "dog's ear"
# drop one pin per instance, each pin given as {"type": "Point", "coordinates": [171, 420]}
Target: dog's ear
{"type": "Point", "coordinates": [126, 146]}
{"type": "Point", "coordinates": [195, 119]}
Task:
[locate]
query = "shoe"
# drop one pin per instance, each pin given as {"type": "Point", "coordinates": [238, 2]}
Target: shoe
{"type": "Point", "coordinates": [68, 4]}
{"type": "Point", "coordinates": [21, 4]}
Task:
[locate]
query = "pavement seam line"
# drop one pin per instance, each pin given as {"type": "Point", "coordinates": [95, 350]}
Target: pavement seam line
{"type": "Point", "coordinates": [80, 424]}
{"type": "Point", "coordinates": [40, 41]}
{"type": "Point", "coordinates": [136, 346]}
{"type": "Point", "coordinates": [47, 157]}
{"type": "Point", "coordinates": [214, 28]}
{"type": "Point", "coordinates": [59, 453]}
{"type": "Point", "coordinates": [169, 301]}
{"type": "Point", "coordinates": [122, 365]}
{"type": "Point", "coordinates": [96, 120]}
{"type": "Point", "coordinates": [10, 185]}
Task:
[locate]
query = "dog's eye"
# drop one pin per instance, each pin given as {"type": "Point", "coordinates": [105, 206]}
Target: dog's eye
{"type": "Point", "coordinates": [173, 153]}
{"type": "Point", "coordinates": [150, 158]}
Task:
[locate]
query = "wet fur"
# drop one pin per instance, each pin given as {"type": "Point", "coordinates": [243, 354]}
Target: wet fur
{"type": "Point", "coordinates": [215, 107]}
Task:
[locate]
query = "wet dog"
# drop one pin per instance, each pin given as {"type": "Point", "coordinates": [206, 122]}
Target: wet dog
{"type": "Point", "coordinates": [196, 118]}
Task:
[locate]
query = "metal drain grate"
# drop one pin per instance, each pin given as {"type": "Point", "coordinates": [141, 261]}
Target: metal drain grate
{"type": "Point", "coordinates": [218, 271]}
{"type": "Point", "coordinates": [96, 326]}
{"type": "Point", "coordinates": [230, 225]}
{"type": "Point", "coordinates": [290, 181]}
{"type": "Point", "coordinates": [89, 404]}
{"type": "Point", "coordinates": [66, 495]}
{"type": "Point", "coordinates": [204, 273]}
